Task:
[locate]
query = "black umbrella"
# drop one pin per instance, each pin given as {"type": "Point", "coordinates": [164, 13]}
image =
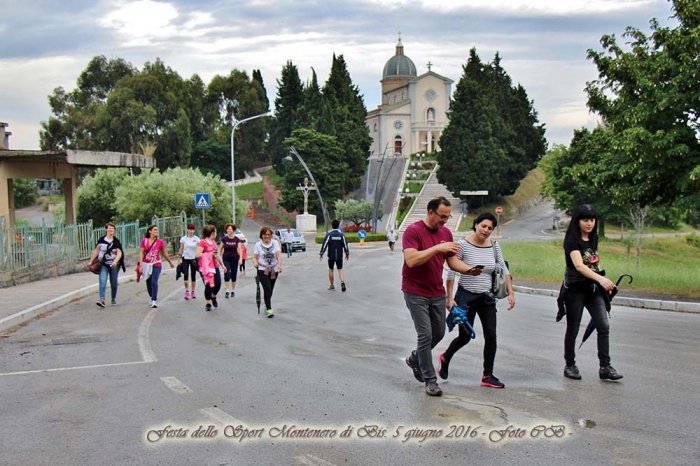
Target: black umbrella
{"type": "Point", "coordinates": [257, 293]}
{"type": "Point", "coordinates": [591, 325]}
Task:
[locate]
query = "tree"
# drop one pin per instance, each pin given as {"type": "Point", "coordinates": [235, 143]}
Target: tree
{"type": "Point", "coordinates": [349, 112]}
{"type": "Point", "coordinates": [289, 98]}
{"type": "Point", "coordinates": [493, 139]}
{"type": "Point", "coordinates": [26, 192]}
{"type": "Point", "coordinates": [96, 199]}
{"type": "Point", "coordinates": [151, 193]}
{"type": "Point", "coordinates": [324, 158]}
{"type": "Point", "coordinates": [638, 217]}
{"type": "Point", "coordinates": [354, 211]}
{"type": "Point", "coordinates": [649, 96]}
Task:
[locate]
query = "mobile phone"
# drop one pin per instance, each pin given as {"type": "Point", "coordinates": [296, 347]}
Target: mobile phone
{"type": "Point", "coordinates": [478, 266]}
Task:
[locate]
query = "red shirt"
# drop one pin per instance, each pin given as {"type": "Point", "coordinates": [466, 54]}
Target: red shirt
{"type": "Point", "coordinates": [425, 280]}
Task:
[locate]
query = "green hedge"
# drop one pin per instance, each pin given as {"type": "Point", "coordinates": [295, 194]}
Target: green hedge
{"type": "Point", "coordinates": [352, 238]}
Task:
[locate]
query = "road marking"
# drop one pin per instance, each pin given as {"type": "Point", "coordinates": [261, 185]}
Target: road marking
{"type": "Point", "coordinates": [147, 353]}
{"type": "Point", "coordinates": [175, 385]}
{"type": "Point", "coordinates": [311, 460]}
{"type": "Point", "coordinates": [220, 416]}
{"type": "Point", "coordinates": [58, 369]}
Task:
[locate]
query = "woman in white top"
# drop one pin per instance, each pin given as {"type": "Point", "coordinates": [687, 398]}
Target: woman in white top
{"type": "Point", "coordinates": [267, 259]}
{"type": "Point", "coordinates": [474, 295]}
{"type": "Point", "coordinates": [188, 246]}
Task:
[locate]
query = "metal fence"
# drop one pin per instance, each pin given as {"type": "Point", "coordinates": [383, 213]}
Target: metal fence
{"type": "Point", "coordinates": [26, 247]}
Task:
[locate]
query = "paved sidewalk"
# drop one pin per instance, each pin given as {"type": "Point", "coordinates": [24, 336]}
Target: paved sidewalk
{"type": "Point", "coordinates": [24, 302]}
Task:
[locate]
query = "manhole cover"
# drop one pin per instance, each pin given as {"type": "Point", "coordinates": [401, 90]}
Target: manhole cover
{"type": "Point", "coordinates": [74, 340]}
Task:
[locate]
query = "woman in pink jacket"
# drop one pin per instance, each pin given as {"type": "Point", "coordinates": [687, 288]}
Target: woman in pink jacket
{"type": "Point", "coordinates": [209, 260]}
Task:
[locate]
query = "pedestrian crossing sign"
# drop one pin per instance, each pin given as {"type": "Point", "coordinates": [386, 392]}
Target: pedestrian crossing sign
{"type": "Point", "coordinates": [202, 201]}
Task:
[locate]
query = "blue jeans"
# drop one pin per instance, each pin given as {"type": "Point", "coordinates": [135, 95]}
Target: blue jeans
{"type": "Point", "coordinates": [428, 316]}
{"type": "Point", "coordinates": [113, 274]}
{"type": "Point", "coordinates": [152, 283]}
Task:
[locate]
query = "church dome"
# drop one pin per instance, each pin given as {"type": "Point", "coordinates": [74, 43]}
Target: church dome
{"type": "Point", "coordinates": [399, 65]}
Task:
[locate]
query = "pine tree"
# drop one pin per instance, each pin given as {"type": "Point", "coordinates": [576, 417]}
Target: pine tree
{"type": "Point", "coordinates": [289, 98]}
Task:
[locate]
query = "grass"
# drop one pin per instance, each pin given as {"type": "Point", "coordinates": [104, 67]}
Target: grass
{"type": "Point", "coordinates": [668, 265]}
{"type": "Point", "coordinates": [250, 191]}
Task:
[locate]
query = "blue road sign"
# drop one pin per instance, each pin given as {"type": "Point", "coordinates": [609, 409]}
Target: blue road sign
{"type": "Point", "coordinates": [362, 234]}
{"type": "Point", "coordinates": [202, 201]}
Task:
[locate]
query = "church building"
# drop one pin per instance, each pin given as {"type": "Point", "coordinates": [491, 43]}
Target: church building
{"type": "Point", "coordinates": [414, 109]}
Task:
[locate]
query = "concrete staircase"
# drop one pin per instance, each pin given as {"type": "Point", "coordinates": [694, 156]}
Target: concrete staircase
{"type": "Point", "coordinates": [431, 190]}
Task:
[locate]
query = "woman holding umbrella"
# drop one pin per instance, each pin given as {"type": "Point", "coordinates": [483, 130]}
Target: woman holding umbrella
{"type": "Point", "coordinates": [584, 285]}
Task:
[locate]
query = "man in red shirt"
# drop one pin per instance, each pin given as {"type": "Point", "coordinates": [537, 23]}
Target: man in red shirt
{"type": "Point", "coordinates": [426, 246]}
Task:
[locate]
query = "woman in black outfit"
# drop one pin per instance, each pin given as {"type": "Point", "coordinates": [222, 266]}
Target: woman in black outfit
{"type": "Point", "coordinates": [585, 286]}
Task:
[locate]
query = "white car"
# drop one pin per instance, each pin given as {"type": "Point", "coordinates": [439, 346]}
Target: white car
{"type": "Point", "coordinates": [299, 243]}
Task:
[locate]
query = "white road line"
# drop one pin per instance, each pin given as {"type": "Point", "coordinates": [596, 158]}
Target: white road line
{"type": "Point", "coordinates": [220, 416]}
{"type": "Point", "coordinates": [58, 369]}
{"type": "Point", "coordinates": [175, 385]}
{"type": "Point", "coordinates": [147, 353]}
{"type": "Point", "coordinates": [311, 460]}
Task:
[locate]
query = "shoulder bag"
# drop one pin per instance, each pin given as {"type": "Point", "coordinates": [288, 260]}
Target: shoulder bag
{"type": "Point", "coordinates": [498, 277]}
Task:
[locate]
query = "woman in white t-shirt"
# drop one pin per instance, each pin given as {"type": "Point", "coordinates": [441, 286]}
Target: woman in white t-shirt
{"type": "Point", "coordinates": [267, 259]}
{"type": "Point", "coordinates": [188, 246]}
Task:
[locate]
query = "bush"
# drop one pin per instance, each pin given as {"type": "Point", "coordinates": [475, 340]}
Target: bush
{"type": "Point", "coordinates": [354, 239]}
{"type": "Point", "coordinates": [26, 192]}
{"type": "Point", "coordinates": [355, 228]}
{"type": "Point", "coordinates": [693, 240]}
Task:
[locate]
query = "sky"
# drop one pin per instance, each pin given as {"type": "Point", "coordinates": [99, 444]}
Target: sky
{"type": "Point", "coordinates": [542, 44]}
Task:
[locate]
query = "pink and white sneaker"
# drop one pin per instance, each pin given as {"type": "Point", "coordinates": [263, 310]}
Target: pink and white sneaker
{"type": "Point", "coordinates": [187, 295]}
{"type": "Point", "coordinates": [192, 295]}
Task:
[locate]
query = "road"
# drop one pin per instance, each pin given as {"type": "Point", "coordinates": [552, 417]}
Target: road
{"type": "Point", "coordinates": [100, 386]}
{"type": "Point", "coordinates": [534, 225]}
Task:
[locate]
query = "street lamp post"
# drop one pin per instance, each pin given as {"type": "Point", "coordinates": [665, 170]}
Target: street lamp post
{"type": "Point", "coordinates": [318, 190]}
{"type": "Point", "coordinates": [233, 176]}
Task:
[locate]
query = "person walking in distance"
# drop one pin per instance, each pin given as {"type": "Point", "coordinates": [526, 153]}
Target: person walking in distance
{"type": "Point", "coordinates": [150, 262]}
{"type": "Point", "coordinates": [392, 236]}
{"type": "Point", "coordinates": [109, 250]}
{"type": "Point", "coordinates": [230, 252]}
{"type": "Point", "coordinates": [207, 253]}
{"type": "Point", "coordinates": [267, 260]}
{"type": "Point", "coordinates": [288, 240]}
{"type": "Point", "coordinates": [586, 286]}
{"type": "Point", "coordinates": [337, 245]}
{"type": "Point", "coordinates": [188, 247]}
{"type": "Point", "coordinates": [426, 246]}
{"type": "Point", "coordinates": [474, 295]}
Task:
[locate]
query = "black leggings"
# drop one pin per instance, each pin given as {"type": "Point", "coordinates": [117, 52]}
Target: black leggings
{"type": "Point", "coordinates": [189, 266]}
{"type": "Point", "coordinates": [268, 285]}
{"type": "Point", "coordinates": [210, 292]}
{"type": "Point", "coordinates": [487, 316]}
{"type": "Point", "coordinates": [593, 301]}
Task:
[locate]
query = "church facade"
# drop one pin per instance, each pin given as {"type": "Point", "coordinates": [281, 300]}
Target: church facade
{"type": "Point", "coordinates": [414, 109]}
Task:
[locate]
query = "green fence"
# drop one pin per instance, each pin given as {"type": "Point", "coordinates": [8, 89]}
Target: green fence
{"type": "Point", "coordinates": [25, 247]}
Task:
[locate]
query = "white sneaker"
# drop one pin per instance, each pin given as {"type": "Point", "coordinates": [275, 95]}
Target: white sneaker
{"type": "Point", "coordinates": [154, 304]}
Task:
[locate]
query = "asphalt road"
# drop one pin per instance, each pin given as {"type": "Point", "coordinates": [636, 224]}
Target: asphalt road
{"type": "Point", "coordinates": [100, 386]}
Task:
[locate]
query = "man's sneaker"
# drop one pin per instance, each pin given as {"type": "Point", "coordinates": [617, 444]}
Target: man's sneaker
{"type": "Point", "coordinates": [342, 286]}
{"type": "Point", "coordinates": [187, 295]}
{"type": "Point", "coordinates": [154, 304]}
{"type": "Point", "coordinates": [490, 381]}
{"type": "Point", "coordinates": [331, 288]}
{"type": "Point", "coordinates": [214, 301]}
{"type": "Point", "coordinates": [571, 372]}
{"type": "Point", "coordinates": [192, 295]}
{"type": "Point", "coordinates": [114, 302]}
{"type": "Point", "coordinates": [415, 368]}
{"type": "Point", "coordinates": [443, 366]}
{"type": "Point", "coordinates": [100, 302]}
{"type": "Point", "coordinates": [207, 307]}
{"type": "Point", "coordinates": [233, 293]}
{"type": "Point", "coordinates": [609, 373]}
{"type": "Point", "coordinates": [227, 295]}
{"type": "Point", "coordinates": [270, 313]}
{"type": "Point", "coordinates": [433, 389]}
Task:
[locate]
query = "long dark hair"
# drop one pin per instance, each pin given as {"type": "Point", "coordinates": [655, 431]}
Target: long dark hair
{"type": "Point", "coordinates": [573, 233]}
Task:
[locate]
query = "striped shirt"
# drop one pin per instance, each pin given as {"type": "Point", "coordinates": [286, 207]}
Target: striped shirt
{"type": "Point", "coordinates": [478, 255]}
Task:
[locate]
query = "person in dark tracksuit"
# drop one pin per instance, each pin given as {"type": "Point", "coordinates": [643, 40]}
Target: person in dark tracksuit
{"type": "Point", "coordinates": [337, 245]}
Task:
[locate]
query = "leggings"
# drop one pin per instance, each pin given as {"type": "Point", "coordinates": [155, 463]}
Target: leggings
{"type": "Point", "coordinates": [593, 301]}
{"type": "Point", "coordinates": [231, 263]}
{"type": "Point", "coordinates": [268, 285]}
{"type": "Point", "coordinates": [210, 292]}
{"type": "Point", "coordinates": [189, 265]}
{"type": "Point", "coordinates": [241, 268]}
{"type": "Point", "coordinates": [487, 316]}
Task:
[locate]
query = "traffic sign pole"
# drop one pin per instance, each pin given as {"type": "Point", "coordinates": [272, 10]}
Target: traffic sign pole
{"type": "Point", "coordinates": [499, 211]}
